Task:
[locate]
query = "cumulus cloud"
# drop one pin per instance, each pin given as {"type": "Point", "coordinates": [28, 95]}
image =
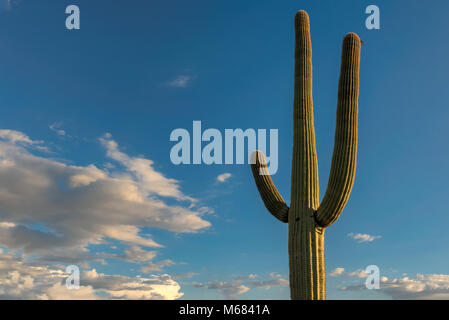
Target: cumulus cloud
{"type": "Point", "coordinates": [223, 177]}
{"type": "Point", "coordinates": [53, 212]}
{"type": "Point", "coordinates": [267, 284]}
{"type": "Point", "coordinates": [19, 138]}
{"type": "Point", "coordinates": [20, 279]}
{"type": "Point", "coordinates": [150, 181]}
{"type": "Point", "coordinates": [423, 286]}
{"type": "Point", "coordinates": [231, 289]}
{"type": "Point", "coordinates": [136, 253]}
{"type": "Point", "coordinates": [157, 266]}
{"type": "Point", "coordinates": [79, 205]}
{"type": "Point", "coordinates": [337, 272]}
{"type": "Point", "coordinates": [184, 275]}
{"type": "Point", "coordinates": [16, 136]}
{"type": "Point", "coordinates": [59, 291]}
{"type": "Point", "coordinates": [357, 274]}
{"type": "Point", "coordinates": [158, 287]}
{"type": "Point", "coordinates": [362, 237]}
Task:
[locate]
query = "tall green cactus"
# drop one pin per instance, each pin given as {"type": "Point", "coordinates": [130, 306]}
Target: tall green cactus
{"type": "Point", "coordinates": [306, 218]}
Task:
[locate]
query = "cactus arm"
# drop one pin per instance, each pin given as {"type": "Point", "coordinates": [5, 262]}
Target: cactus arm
{"type": "Point", "coordinates": [272, 199]}
{"type": "Point", "coordinates": [341, 178]}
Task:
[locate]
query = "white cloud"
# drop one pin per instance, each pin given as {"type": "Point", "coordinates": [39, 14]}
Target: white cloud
{"type": "Point", "coordinates": [362, 237]}
{"type": "Point", "coordinates": [20, 139]}
{"type": "Point", "coordinates": [128, 234]}
{"type": "Point", "coordinates": [53, 212]}
{"type": "Point", "coordinates": [357, 274]}
{"type": "Point", "coordinates": [231, 289]}
{"type": "Point", "coordinates": [41, 281]}
{"type": "Point", "coordinates": [157, 266]}
{"type": "Point", "coordinates": [150, 181]}
{"type": "Point", "coordinates": [158, 287]}
{"type": "Point", "coordinates": [250, 276]}
{"type": "Point", "coordinates": [223, 177]}
{"type": "Point", "coordinates": [79, 205]}
{"type": "Point", "coordinates": [337, 272]}
{"type": "Point", "coordinates": [267, 284]}
{"type": "Point", "coordinates": [60, 291]}
{"type": "Point", "coordinates": [181, 81]}
{"type": "Point", "coordinates": [17, 137]}
{"type": "Point", "coordinates": [135, 253]}
{"type": "Point", "coordinates": [185, 275]}
{"type": "Point", "coordinates": [423, 286]}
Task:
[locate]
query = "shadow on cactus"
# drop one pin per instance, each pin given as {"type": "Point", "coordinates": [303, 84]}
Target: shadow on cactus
{"type": "Point", "coordinates": [306, 218]}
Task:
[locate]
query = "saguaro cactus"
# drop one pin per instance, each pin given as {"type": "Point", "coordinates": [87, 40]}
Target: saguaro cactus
{"type": "Point", "coordinates": [306, 218]}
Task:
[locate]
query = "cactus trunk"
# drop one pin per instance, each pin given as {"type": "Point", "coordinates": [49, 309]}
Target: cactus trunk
{"type": "Point", "coordinates": [306, 250]}
{"type": "Point", "coordinates": [307, 219]}
{"type": "Point", "coordinates": [306, 254]}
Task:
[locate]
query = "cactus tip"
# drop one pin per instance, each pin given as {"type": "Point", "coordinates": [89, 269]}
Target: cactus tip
{"type": "Point", "coordinates": [257, 157]}
{"type": "Point", "coordinates": [351, 36]}
{"type": "Point", "coordinates": [302, 18]}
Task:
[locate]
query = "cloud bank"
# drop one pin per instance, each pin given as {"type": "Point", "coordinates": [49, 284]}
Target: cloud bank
{"type": "Point", "coordinates": [240, 285]}
{"type": "Point", "coordinates": [52, 212]}
{"type": "Point", "coordinates": [423, 286]}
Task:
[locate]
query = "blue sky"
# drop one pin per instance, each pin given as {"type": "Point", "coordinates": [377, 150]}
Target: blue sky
{"type": "Point", "coordinates": [86, 117]}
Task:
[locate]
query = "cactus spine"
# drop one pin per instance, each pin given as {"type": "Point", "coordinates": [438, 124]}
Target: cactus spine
{"type": "Point", "coordinates": [306, 218]}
